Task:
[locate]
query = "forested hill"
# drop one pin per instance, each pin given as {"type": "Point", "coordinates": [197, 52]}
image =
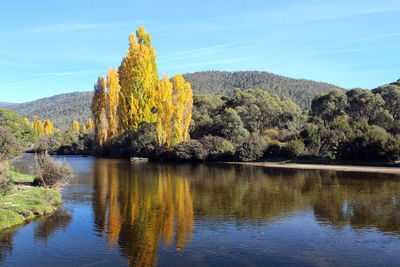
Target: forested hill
{"type": "Point", "coordinates": [63, 109]}
{"type": "Point", "coordinates": [223, 83]}
{"type": "Point", "coordinates": [60, 109]}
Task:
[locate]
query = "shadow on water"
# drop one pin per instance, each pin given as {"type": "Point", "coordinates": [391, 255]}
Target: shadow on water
{"type": "Point", "coordinates": [150, 211]}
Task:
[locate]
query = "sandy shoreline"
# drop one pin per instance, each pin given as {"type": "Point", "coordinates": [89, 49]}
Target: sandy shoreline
{"type": "Point", "coordinates": [342, 168]}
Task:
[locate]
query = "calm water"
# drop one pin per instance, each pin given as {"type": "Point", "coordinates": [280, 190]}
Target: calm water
{"type": "Point", "coordinates": [117, 214]}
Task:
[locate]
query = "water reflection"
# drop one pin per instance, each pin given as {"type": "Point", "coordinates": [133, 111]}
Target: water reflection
{"type": "Point", "coordinates": [175, 214]}
{"type": "Point", "coordinates": [6, 240]}
{"type": "Point", "coordinates": [59, 220]}
{"type": "Point", "coordinates": [138, 208]}
{"type": "Point", "coordinates": [43, 230]}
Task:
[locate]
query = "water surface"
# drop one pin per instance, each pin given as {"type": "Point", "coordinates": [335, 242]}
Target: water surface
{"type": "Point", "coordinates": [116, 214]}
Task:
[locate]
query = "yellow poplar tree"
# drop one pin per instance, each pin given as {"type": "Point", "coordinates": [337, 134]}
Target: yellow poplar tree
{"type": "Point", "coordinates": [27, 121]}
{"type": "Point", "coordinates": [99, 111]}
{"type": "Point", "coordinates": [165, 111]}
{"type": "Point", "coordinates": [75, 124]}
{"type": "Point", "coordinates": [57, 131]}
{"type": "Point", "coordinates": [89, 124]}
{"type": "Point", "coordinates": [84, 129]}
{"type": "Point", "coordinates": [38, 126]}
{"type": "Point", "coordinates": [113, 90]}
{"type": "Point", "coordinates": [48, 127]}
{"type": "Point", "coordinates": [182, 100]}
{"type": "Point", "coordinates": [138, 78]}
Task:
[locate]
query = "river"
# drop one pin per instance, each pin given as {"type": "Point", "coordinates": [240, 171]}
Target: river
{"type": "Point", "coordinates": [116, 213]}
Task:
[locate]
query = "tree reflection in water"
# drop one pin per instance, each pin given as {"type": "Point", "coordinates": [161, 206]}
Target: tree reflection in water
{"type": "Point", "coordinates": [43, 229]}
{"type": "Point", "coordinates": [139, 207]}
{"type": "Point", "coordinates": [47, 227]}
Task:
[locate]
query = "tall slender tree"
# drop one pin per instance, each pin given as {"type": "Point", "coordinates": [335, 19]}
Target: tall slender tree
{"type": "Point", "coordinates": [113, 90]}
{"type": "Point", "coordinates": [183, 102]}
{"type": "Point", "coordinates": [90, 124]}
{"type": "Point", "coordinates": [99, 111]}
{"type": "Point", "coordinates": [138, 77]}
{"type": "Point", "coordinates": [165, 112]}
{"type": "Point", "coordinates": [48, 127]}
{"type": "Point", "coordinates": [75, 125]}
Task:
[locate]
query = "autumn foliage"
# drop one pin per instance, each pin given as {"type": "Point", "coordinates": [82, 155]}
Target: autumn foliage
{"type": "Point", "coordinates": [42, 128]}
{"type": "Point", "coordinates": [135, 94]}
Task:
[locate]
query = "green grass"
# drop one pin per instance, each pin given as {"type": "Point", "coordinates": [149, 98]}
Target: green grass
{"type": "Point", "coordinates": [25, 202]}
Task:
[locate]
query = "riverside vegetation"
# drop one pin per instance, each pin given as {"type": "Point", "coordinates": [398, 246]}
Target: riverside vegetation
{"type": "Point", "coordinates": [25, 197]}
{"type": "Point", "coordinates": [135, 113]}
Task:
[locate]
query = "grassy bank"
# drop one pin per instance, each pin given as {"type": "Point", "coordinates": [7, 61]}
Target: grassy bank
{"type": "Point", "coordinates": [26, 202]}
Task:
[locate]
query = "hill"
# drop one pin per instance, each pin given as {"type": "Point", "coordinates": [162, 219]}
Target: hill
{"type": "Point", "coordinates": [5, 104]}
{"type": "Point", "coordinates": [60, 109]}
{"type": "Point", "coordinates": [223, 83]}
{"type": "Point", "coordinates": [63, 109]}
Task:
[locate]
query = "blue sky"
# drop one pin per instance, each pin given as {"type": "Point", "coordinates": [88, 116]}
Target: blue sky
{"type": "Point", "coordinates": [53, 47]}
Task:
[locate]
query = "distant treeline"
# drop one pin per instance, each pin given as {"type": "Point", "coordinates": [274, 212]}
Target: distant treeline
{"type": "Point", "coordinates": [63, 109]}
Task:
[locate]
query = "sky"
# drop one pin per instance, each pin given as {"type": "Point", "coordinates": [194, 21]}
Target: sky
{"type": "Point", "coordinates": [53, 47]}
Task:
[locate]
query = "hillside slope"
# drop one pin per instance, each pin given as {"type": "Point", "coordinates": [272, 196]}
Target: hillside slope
{"type": "Point", "coordinates": [61, 109]}
{"type": "Point", "coordinates": [221, 82]}
{"type": "Point", "coordinates": [5, 104]}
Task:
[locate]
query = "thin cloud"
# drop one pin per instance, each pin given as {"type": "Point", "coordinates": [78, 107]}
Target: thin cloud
{"type": "Point", "coordinates": [372, 38]}
{"type": "Point", "coordinates": [66, 27]}
{"type": "Point", "coordinates": [289, 15]}
{"type": "Point", "coordinates": [47, 77]}
{"type": "Point", "coordinates": [208, 50]}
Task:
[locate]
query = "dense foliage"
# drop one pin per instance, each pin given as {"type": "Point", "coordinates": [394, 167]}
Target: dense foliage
{"type": "Point", "coordinates": [134, 95]}
{"type": "Point", "coordinates": [10, 146]}
{"type": "Point", "coordinates": [17, 126]}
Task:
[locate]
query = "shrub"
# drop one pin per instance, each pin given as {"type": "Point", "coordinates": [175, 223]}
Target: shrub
{"type": "Point", "coordinates": [143, 140]}
{"type": "Point", "coordinates": [50, 173]}
{"type": "Point", "coordinates": [191, 150]}
{"type": "Point", "coordinates": [81, 144]}
{"type": "Point", "coordinates": [140, 143]}
{"type": "Point", "coordinates": [271, 134]}
{"type": "Point", "coordinates": [218, 148]}
{"type": "Point", "coordinates": [251, 149]}
{"type": "Point", "coordinates": [274, 150]}
{"type": "Point", "coordinates": [9, 145]}
{"type": "Point", "coordinates": [370, 143]}
{"type": "Point", "coordinates": [5, 178]}
{"type": "Point", "coordinates": [49, 143]}
{"type": "Point", "coordinates": [295, 148]}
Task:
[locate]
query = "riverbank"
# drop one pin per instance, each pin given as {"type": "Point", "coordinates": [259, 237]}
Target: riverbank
{"type": "Point", "coordinates": [26, 202]}
{"type": "Point", "coordinates": [332, 167]}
